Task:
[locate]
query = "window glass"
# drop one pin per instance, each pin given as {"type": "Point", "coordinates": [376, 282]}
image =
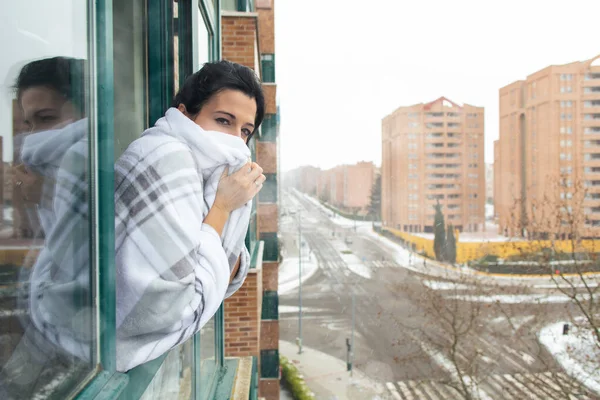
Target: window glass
{"type": "Point", "coordinates": [207, 356]}
{"type": "Point", "coordinates": [174, 379]}
{"type": "Point", "coordinates": [203, 41]}
{"type": "Point", "coordinates": [47, 330]}
{"type": "Point", "coordinates": [472, 270]}
{"type": "Point", "coordinates": [129, 72]}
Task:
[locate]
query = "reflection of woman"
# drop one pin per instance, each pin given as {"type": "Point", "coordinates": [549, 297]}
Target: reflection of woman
{"type": "Point", "coordinates": [182, 208]}
{"type": "Point", "coordinates": [51, 177]}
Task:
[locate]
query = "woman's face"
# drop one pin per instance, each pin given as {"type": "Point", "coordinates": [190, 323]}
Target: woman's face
{"type": "Point", "coordinates": [229, 111]}
{"type": "Point", "coordinates": [44, 108]}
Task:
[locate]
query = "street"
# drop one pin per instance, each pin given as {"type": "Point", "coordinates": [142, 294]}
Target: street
{"type": "Point", "coordinates": [422, 336]}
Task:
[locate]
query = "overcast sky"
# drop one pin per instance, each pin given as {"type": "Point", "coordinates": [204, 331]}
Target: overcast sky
{"type": "Point", "coordinates": [343, 65]}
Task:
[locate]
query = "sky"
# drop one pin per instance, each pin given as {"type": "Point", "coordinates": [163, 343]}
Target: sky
{"type": "Point", "coordinates": [341, 66]}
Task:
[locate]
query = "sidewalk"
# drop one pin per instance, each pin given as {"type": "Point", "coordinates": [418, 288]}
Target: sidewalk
{"type": "Point", "coordinates": [327, 377]}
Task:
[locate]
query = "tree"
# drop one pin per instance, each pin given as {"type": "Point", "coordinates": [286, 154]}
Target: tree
{"type": "Point", "coordinates": [439, 229]}
{"type": "Point", "coordinates": [375, 199]}
{"type": "Point", "coordinates": [450, 245]}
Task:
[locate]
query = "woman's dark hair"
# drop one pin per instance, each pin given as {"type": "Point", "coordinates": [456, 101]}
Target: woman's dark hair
{"type": "Point", "coordinates": [65, 75]}
{"type": "Point", "coordinates": [215, 77]}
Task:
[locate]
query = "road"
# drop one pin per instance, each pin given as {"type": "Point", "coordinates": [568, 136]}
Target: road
{"type": "Point", "coordinates": [422, 337]}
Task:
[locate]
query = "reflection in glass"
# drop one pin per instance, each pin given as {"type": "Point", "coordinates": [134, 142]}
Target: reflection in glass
{"type": "Point", "coordinates": [173, 380]}
{"type": "Point", "coordinates": [207, 355]}
{"type": "Point", "coordinates": [46, 312]}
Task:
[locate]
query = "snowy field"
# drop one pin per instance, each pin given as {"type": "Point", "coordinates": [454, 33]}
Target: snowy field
{"type": "Point", "coordinates": [578, 353]}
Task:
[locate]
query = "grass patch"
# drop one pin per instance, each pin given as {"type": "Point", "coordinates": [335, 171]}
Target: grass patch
{"type": "Point", "coordinates": [294, 380]}
{"type": "Point", "coordinates": [346, 252]}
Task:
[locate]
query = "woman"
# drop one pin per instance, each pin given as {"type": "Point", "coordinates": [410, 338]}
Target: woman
{"type": "Point", "coordinates": [183, 196]}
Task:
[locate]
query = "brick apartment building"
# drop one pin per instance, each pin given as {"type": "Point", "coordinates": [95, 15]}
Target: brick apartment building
{"type": "Point", "coordinates": [251, 314]}
{"type": "Point", "coordinates": [347, 187]}
{"type": "Point", "coordinates": [547, 158]}
{"type": "Point", "coordinates": [433, 152]}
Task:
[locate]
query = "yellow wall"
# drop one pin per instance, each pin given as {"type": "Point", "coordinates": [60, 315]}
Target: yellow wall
{"type": "Point", "coordinates": [469, 251]}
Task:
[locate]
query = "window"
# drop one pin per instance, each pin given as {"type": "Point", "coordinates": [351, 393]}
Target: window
{"type": "Point", "coordinates": [47, 304]}
{"type": "Point", "coordinates": [566, 170]}
{"type": "Point", "coordinates": [566, 143]}
{"type": "Point", "coordinates": [566, 129]}
{"type": "Point", "coordinates": [565, 156]}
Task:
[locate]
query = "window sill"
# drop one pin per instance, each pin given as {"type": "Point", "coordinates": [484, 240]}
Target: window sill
{"type": "Point", "coordinates": [235, 383]}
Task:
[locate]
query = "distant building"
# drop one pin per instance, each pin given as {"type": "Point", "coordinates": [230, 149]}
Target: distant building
{"type": "Point", "coordinates": [347, 187]}
{"type": "Point", "coordinates": [547, 158]}
{"type": "Point", "coordinates": [433, 153]}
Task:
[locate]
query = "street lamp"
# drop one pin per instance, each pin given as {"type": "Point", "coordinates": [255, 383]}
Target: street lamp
{"type": "Point", "coordinates": [299, 281]}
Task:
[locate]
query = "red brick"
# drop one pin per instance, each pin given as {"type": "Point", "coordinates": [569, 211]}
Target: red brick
{"type": "Point", "coordinates": [267, 217]}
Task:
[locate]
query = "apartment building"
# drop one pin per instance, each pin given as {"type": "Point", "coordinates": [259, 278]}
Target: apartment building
{"type": "Point", "coordinates": [547, 157]}
{"type": "Point", "coordinates": [433, 152]}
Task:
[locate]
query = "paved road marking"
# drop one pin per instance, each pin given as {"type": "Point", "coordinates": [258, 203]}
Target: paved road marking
{"type": "Point", "coordinates": [430, 391]}
{"type": "Point", "coordinates": [393, 391]}
{"type": "Point", "coordinates": [416, 388]}
{"type": "Point", "coordinates": [406, 393]}
{"type": "Point", "coordinates": [492, 348]}
{"type": "Point", "coordinates": [526, 390]}
{"type": "Point", "coordinates": [534, 386]}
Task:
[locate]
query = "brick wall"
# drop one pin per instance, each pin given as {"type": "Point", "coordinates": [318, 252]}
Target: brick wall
{"type": "Point", "coordinates": [239, 39]}
{"type": "Point", "coordinates": [242, 318]}
{"type": "Point", "coordinates": [266, 156]}
{"type": "Point", "coordinates": [266, 21]}
{"type": "Point", "coordinates": [270, 91]}
{"type": "Point", "coordinates": [267, 217]}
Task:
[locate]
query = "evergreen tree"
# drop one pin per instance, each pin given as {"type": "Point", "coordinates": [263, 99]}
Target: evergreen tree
{"type": "Point", "coordinates": [375, 203]}
{"type": "Point", "coordinates": [450, 245]}
{"type": "Point", "coordinates": [439, 230]}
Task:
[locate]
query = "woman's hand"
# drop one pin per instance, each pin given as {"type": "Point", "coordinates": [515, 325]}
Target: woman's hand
{"type": "Point", "coordinates": [237, 189]}
{"type": "Point", "coordinates": [28, 183]}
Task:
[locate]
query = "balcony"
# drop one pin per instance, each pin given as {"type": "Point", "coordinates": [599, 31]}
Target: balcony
{"type": "Point", "coordinates": [434, 125]}
{"type": "Point", "coordinates": [591, 157]}
{"type": "Point", "coordinates": [592, 130]}
{"type": "Point", "coordinates": [435, 145]}
{"type": "Point", "coordinates": [594, 76]}
{"type": "Point", "coordinates": [435, 166]}
{"type": "Point", "coordinates": [434, 136]}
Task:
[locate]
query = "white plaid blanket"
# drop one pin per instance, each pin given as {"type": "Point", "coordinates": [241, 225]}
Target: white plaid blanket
{"type": "Point", "coordinates": [172, 269]}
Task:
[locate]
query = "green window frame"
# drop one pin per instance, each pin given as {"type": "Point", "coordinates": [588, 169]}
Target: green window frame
{"type": "Point", "coordinates": [267, 66]}
{"type": "Point", "coordinates": [269, 128]}
{"type": "Point", "coordinates": [270, 305]}
{"type": "Point", "coordinates": [268, 194]}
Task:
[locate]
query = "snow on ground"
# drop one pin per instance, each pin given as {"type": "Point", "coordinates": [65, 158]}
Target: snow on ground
{"type": "Point", "coordinates": [288, 273]}
{"type": "Point", "coordinates": [578, 352]}
{"type": "Point", "coordinates": [518, 298]}
{"type": "Point", "coordinates": [295, 309]}
{"type": "Point", "coordinates": [439, 285]}
{"type": "Point", "coordinates": [333, 217]}
{"type": "Point", "coordinates": [354, 263]}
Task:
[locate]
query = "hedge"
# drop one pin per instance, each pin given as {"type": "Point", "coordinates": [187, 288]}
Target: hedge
{"type": "Point", "coordinates": [294, 380]}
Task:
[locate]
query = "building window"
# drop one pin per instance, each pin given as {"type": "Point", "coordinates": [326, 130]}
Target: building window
{"type": "Point", "coordinates": [565, 156]}
{"type": "Point", "coordinates": [566, 143]}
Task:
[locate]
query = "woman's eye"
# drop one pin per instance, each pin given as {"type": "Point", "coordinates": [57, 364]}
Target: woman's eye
{"type": "Point", "coordinates": [246, 132]}
{"type": "Point", "coordinates": [223, 121]}
{"type": "Point", "coordinates": [47, 118]}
